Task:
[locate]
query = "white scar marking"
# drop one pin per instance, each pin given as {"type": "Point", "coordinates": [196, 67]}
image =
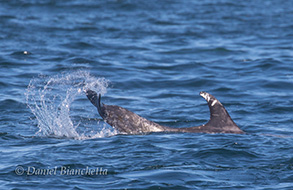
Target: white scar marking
{"type": "Point", "coordinates": [206, 96]}
{"type": "Point", "coordinates": [214, 102]}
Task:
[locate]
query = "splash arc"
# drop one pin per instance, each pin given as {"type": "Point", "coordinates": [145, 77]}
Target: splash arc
{"type": "Point", "coordinates": [127, 122]}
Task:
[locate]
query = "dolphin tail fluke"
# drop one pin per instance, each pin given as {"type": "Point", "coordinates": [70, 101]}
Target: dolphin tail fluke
{"type": "Point", "coordinates": [95, 100]}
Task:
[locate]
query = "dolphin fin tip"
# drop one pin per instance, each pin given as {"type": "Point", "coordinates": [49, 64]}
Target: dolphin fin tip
{"type": "Point", "coordinates": [92, 96]}
{"type": "Point", "coordinates": [95, 99]}
{"type": "Point", "coordinates": [205, 95]}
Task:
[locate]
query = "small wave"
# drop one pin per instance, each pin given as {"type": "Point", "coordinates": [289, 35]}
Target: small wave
{"type": "Point", "coordinates": [50, 99]}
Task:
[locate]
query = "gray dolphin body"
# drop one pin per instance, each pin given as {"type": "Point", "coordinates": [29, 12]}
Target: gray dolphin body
{"type": "Point", "coordinates": [128, 122]}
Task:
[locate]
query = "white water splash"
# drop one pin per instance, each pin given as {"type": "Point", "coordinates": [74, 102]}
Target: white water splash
{"type": "Point", "coordinates": [50, 100]}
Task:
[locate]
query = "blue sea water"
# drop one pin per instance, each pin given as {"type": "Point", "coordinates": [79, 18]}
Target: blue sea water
{"type": "Point", "coordinates": [153, 58]}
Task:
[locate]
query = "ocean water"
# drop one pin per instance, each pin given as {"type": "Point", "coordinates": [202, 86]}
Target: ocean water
{"type": "Point", "coordinates": [153, 58]}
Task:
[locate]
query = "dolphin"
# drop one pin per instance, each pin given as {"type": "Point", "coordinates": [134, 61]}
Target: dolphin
{"type": "Point", "coordinates": [127, 122]}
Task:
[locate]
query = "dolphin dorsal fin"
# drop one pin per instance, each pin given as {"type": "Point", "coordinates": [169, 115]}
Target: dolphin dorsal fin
{"type": "Point", "coordinates": [219, 117]}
